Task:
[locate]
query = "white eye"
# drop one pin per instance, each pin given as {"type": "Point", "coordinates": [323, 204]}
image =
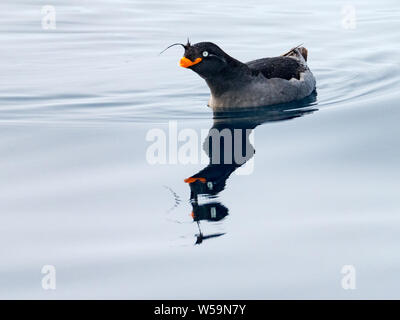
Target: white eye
{"type": "Point", "coordinates": [205, 54]}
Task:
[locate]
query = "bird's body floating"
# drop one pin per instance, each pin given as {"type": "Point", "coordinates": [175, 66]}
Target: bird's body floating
{"type": "Point", "coordinates": [261, 82]}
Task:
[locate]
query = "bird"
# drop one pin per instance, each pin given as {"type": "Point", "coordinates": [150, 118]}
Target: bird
{"type": "Point", "coordinates": [262, 82]}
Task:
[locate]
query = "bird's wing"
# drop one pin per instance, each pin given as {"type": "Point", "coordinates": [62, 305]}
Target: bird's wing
{"type": "Point", "coordinates": [277, 67]}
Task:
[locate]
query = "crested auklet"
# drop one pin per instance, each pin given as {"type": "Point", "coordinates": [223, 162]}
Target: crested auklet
{"type": "Point", "coordinates": [262, 82]}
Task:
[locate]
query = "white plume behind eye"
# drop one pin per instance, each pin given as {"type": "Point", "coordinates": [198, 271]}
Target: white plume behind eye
{"type": "Point", "coordinates": [205, 54]}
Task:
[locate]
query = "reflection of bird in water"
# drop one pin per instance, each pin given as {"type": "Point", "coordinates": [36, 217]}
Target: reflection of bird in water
{"type": "Point", "coordinates": [200, 237]}
{"type": "Point", "coordinates": [228, 148]}
{"type": "Point", "coordinates": [214, 211]}
{"type": "Point", "coordinates": [177, 199]}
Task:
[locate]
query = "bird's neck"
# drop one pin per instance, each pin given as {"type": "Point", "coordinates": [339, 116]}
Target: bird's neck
{"type": "Point", "coordinates": [231, 78]}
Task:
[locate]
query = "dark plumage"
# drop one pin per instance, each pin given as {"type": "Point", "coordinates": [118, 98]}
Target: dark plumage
{"type": "Point", "coordinates": [260, 82]}
{"type": "Point", "coordinates": [277, 67]}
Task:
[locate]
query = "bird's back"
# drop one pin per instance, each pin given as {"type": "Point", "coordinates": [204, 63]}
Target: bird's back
{"type": "Point", "coordinates": [277, 67]}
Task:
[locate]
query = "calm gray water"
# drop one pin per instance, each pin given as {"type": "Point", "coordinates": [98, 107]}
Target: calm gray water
{"type": "Point", "coordinates": [77, 191]}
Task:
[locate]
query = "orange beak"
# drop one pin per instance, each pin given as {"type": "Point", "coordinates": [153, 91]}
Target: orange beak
{"type": "Point", "coordinates": [186, 63]}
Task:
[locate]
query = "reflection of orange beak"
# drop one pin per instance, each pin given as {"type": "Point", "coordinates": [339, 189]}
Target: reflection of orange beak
{"type": "Point", "coordinates": [186, 63]}
{"type": "Point", "coordinates": [191, 180]}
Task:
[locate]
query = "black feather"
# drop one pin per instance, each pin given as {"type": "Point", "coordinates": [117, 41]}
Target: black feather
{"type": "Point", "coordinates": [277, 67]}
{"type": "Point", "coordinates": [175, 44]}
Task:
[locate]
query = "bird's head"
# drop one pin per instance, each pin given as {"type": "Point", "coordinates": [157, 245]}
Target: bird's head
{"type": "Point", "coordinates": [205, 58]}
